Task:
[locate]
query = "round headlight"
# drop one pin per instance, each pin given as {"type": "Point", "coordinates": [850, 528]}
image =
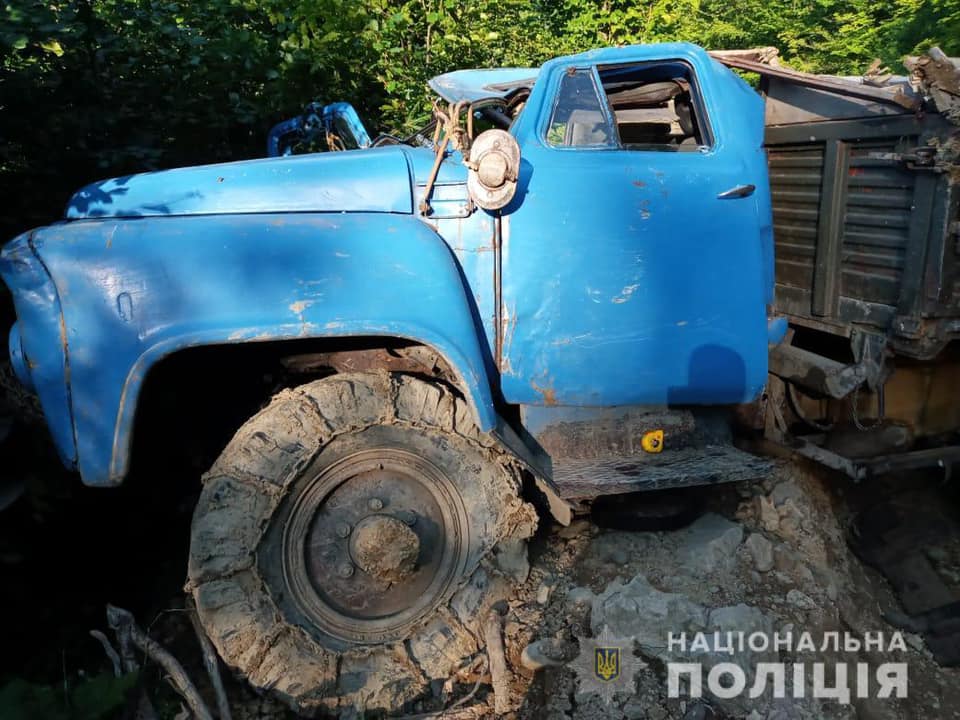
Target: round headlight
{"type": "Point", "coordinates": [494, 169]}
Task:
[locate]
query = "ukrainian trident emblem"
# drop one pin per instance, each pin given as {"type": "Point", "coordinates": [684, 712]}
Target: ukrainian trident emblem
{"type": "Point", "coordinates": [606, 663]}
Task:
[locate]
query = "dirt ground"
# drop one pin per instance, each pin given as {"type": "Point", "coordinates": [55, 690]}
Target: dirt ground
{"type": "Point", "coordinates": [774, 557]}
{"type": "Point", "coordinates": [771, 558]}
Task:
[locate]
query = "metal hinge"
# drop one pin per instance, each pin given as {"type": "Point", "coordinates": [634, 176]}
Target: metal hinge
{"type": "Point", "coordinates": [923, 157]}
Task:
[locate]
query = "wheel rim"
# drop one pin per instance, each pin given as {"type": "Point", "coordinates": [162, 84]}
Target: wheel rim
{"type": "Point", "coordinates": [373, 544]}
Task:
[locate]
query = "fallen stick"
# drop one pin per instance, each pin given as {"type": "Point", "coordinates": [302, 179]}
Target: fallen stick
{"type": "Point", "coordinates": [212, 663]}
{"type": "Point", "coordinates": [499, 672]}
{"type": "Point", "coordinates": [122, 622]}
{"type": "Point", "coordinates": [127, 664]}
{"type": "Point", "coordinates": [108, 649]}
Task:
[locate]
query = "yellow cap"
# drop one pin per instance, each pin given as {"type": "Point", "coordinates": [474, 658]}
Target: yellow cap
{"type": "Point", "coordinates": [652, 441]}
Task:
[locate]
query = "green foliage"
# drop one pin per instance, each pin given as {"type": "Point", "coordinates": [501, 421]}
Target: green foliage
{"type": "Point", "coordinates": [98, 698]}
{"type": "Point", "coordinates": [93, 88]}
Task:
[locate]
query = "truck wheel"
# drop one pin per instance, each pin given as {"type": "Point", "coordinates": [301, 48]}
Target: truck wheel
{"type": "Point", "coordinates": [350, 539]}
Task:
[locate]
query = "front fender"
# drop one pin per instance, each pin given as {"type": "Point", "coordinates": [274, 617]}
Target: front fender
{"type": "Point", "coordinates": [135, 291]}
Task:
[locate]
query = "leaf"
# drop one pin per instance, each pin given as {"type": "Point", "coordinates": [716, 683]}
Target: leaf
{"type": "Point", "coordinates": [23, 701]}
{"type": "Point", "coordinates": [99, 698]}
{"type": "Point", "coordinates": [52, 46]}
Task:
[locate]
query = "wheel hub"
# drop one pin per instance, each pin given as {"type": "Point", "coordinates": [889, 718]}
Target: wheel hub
{"type": "Point", "coordinates": [385, 548]}
{"type": "Point", "coordinates": [372, 544]}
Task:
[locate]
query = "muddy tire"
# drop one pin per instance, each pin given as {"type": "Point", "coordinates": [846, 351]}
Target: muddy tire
{"type": "Point", "coordinates": [284, 565]}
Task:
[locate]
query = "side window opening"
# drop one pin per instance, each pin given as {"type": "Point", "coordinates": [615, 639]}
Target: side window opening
{"type": "Point", "coordinates": [579, 118]}
{"type": "Point", "coordinates": [654, 106]}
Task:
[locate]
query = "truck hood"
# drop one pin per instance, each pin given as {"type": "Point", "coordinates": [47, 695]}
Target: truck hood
{"type": "Point", "coordinates": [473, 85]}
{"type": "Point", "coordinates": [376, 180]}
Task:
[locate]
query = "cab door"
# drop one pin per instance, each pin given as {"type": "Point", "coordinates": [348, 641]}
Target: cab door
{"type": "Point", "coordinates": [636, 257]}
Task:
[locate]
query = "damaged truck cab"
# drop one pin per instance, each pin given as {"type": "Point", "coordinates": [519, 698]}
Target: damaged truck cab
{"type": "Point", "coordinates": [551, 298]}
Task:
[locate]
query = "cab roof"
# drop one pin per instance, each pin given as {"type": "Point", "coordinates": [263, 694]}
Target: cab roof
{"type": "Point", "coordinates": [497, 83]}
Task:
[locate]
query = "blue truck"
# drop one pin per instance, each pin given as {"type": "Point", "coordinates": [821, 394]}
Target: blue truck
{"type": "Point", "coordinates": [547, 295]}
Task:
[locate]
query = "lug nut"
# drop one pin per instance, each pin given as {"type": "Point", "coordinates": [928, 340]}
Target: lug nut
{"type": "Point", "coordinates": [408, 517]}
{"type": "Point", "coordinates": [346, 570]}
{"type": "Point", "coordinates": [343, 530]}
{"type": "Point", "coordinates": [375, 504]}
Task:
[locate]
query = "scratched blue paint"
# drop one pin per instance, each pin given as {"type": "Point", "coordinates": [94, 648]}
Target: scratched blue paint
{"type": "Point", "coordinates": [624, 279]}
{"type": "Point", "coordinates": [278, 277]}
{"type": "Point", "coordinates": [375, 180]}
{"type": "Point", "coordinates": [470, 235]}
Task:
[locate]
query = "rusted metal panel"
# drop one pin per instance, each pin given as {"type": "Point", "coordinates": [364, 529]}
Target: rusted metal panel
{"type": "Point", "coordinates": [841, 86]}
{"type": "Point", "coordinates": [861, 225]}
{"type": "Point", "coordinates": [416, 359]}
{"type": "Point", "coordinates": [881, 205]}
{"type": "Point", "coordinates": [789, 104]}
{"type": "Point", "coordinates": [826, 283]}
{"type": "Point", "coordinates": [796, 175]}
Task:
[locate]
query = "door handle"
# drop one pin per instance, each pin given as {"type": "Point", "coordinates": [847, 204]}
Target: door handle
{"type": "Point", "coordinates": [740, 191]}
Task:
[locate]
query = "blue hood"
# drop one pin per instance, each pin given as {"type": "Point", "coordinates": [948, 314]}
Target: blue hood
{"type": "Point", "coordinates": [473, 85]}
{"type": "Point", "coordinates": [375, 180]}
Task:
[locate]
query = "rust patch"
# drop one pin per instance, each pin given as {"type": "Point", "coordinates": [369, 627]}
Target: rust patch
{"type": "Point", "coordinates": [639, 183]}
{"type": "Point", "coordinates": [416, 359]}
{"type": "Point", "coordinates": [548, 393]}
